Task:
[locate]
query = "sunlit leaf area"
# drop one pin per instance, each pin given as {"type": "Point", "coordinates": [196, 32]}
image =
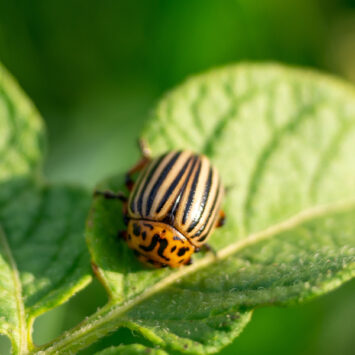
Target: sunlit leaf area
{"type": "Point", "coordinates": [264, 89]}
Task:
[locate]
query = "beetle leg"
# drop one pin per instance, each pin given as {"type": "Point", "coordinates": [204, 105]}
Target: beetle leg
{"type": "Point", "coordinates": [125, 213]}
{"type": "Point", "coordinates": [118, 196]}
{"type": "Point", "coordinates": [189, 262]}
{"type": "Point", "coordinates": [221, 219]}
{"type": "Point", "coordinates": [109, 195]}
{"type": "Point", "coordinates": [125, 218]}
{"type": "Point", "coordinates": [122, 234]}
{"type": "Point", "coordinates": [207, 248]}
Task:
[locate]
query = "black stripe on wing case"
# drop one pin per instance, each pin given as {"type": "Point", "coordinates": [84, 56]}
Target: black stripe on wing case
{"type": "Point", "coordinates": [146, 182]}
{"type": "Point", "coordinates": [176, 204]}
{"type": "Point", "coordinates": [206, 234]}
{"type": "Point", "coordinates": [173, 185]}
{"type": "Point", "coordinates": [136, 188]}
{"type": "Point", "coordinates": [199, 232]}
{"type": "Point", "coordinates": [203, 201]}
{"type": "Point", "coordinates": [192, 193]}
{"type": "Point", "coordinates": [186, 181]}
{"type": "Point", "coordinates": [160, 180]}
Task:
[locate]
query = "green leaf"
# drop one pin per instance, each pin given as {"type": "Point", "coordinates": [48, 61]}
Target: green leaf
{"type": "Point", "coordinates": [283, 140]}
{"type": "Point", "coordinates": [43, 258]}
{"type": "Point", "coordinates": [133, 349]}
{"type": "Point", "coordinates": [22, 131]}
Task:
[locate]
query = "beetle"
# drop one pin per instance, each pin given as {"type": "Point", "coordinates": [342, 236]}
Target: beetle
{"type": "Point", "coordinates": [172, 208]}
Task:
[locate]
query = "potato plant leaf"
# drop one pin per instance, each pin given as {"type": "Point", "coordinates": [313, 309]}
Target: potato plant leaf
{"type": "Point", "coordinates": [43, 258]}
{"type": "Point", "coordinates": [283, 140]}
{"type": "Point", "coordinates": [22, 131]}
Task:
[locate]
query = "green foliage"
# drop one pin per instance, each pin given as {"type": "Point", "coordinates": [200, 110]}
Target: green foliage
{"type": "Point", "coordinates": [134, 349]}
{"type": "Point", "coordinates": [43, 260]}
{"type": "Point", "coordinates": [22, 136]}
{"type": "Point", "coordinates": [283, 141]}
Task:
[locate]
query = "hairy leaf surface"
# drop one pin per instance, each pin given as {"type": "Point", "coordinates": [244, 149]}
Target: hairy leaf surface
{"type": "Point", "coordinates": [283, 140]}
{"type": "Point", "coordinates": [43, 258]}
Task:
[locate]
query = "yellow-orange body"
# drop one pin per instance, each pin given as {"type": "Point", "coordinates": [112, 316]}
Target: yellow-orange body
{"type": "Point", "coordinates": [158, 243]}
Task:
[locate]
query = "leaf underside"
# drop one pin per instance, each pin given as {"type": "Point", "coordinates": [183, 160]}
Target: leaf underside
{"type": "Point", "coordinates": [283, 140]}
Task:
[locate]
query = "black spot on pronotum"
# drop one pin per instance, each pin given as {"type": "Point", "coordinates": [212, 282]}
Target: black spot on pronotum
{"type": "Point", "coordinates": [173, 248]}
{"type": "Point", "coordinates": [144, 235]}
{"type": "Point", "coordinates": [182, 251]}
{"type": "Point", "coordinates": [155, 240]}
{"type": "Point", "coordinates": [136, 229]}
{"type": "Point", "coordinates": [163, 245]}
{"type": "Point", "coordinates": [152, 244]}
{"type": "Point", "coordinates": [148, 225]}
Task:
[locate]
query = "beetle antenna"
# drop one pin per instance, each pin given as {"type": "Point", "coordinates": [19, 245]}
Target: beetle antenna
{"type": "Point", "coordinates": [109, 195]}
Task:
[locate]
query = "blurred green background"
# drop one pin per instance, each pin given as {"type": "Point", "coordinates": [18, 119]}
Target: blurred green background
{"type": "Point", "coordinates": [96, 68]}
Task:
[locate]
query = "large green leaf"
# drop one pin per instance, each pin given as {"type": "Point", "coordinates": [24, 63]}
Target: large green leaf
{"type": "Point", "coordinates": [43, 258]}
{"type": "Point", "coordinates": [22, 136]}
{"type": "Point", "coordinates": [283, 140]}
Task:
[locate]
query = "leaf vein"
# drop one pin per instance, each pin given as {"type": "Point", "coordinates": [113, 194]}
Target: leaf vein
{"type": "Point", "coordinates": [114, 313]}
{"type": "Point", "coordinates": [22, 345]}
{"type": "Point", "coordinates": [266, 153]}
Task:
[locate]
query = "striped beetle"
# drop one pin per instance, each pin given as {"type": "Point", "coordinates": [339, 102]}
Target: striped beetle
{"type": "Point", "coordinates": [172, 208]}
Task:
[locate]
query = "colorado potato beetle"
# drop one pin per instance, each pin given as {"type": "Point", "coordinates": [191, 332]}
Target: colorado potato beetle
{"type": "Point", "coordinates": [172, 208]}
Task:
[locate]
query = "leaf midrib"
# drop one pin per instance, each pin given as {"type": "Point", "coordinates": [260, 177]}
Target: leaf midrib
{"type": "Point", "coordinates": [22, 344]}
{"type": "Point", "coordinates": [110, 313]}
